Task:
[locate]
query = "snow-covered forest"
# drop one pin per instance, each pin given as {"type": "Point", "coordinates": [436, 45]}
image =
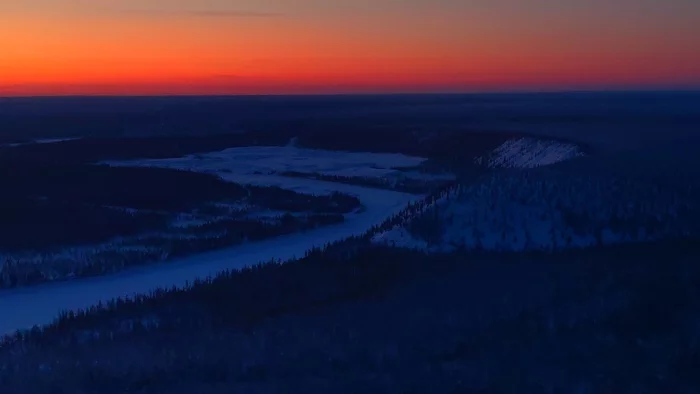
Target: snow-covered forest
{"type": "Point", "coordinates": [519, 210]}
{"type": "Point", "coordinates": [528, 152]}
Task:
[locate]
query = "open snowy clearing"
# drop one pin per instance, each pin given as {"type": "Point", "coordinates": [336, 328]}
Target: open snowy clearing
{"type": "Point", "coordinates": [528, 210]}
{"type": "Point", "coordinates": [530, 153]}
{"type": "Point", "coordinates": [38, 305]}
{"type": "Point", "coordinates": [266, 160]}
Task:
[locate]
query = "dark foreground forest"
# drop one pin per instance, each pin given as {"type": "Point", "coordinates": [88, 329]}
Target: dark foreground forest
{"type": "Point", "coordinates": [620, 319]}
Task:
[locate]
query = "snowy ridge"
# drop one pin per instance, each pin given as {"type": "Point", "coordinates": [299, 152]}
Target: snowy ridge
{"type": "Point", "coordinates": [539, 211]}
{"type": "Point", "coordinates": [529, 153]}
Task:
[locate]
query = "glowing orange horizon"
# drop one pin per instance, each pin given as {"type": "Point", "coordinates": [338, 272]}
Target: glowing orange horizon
{"type": "Point", "coordinates": [47, 54]}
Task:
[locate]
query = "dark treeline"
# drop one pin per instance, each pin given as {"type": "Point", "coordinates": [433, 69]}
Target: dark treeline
{"type": "Point", "coordinates": [404, 185]}
{"type": "Point", "coordinates": [123, 116]}
{"type": "Point", "coordinates": [130, 187]}
{"type": "Point", "coordinates": [91, 149]}
{"type": "Point", "coordinates": [228, 232]}
{"type": "Point", "coordinates": [45, 206]}
{"type": "Point", "coordinates": [280, 199]}
{"type": "Point", "coordinates": [156, 247]}
{"type": "Point", "coordinates": [415, 209]}
{"type": "Point", "coordinates": [439, 145]}
{"type": "Point", "coordinates": [48, 205]}
{"type": "Point", "coordinates": [548, 113]}
{"type": "Point", "coordinates": [43, 225]}
{"type": "Point", "coordinates": [446, 146]}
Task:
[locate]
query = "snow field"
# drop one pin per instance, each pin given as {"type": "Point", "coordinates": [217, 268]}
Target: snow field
{"type": "Point", "coordinates": [529, 153]}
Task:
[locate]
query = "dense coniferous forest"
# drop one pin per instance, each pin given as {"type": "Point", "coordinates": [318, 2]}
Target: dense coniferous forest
{"type": "Point", "coordinates": [94, 260]}
{"type": "Point", "coordinates": [48, 205]}
{"type": "Point", "coordinates": [549, 209]}
{"type": "Point", "coordinates": [128, 187]}
{"type": "Point", "coordinates": [287, 200]}
{"type": "Point", "coordinates": [95, 149]}
{"type": "Point", "coordinates": [404, 185]}
{"type": "Point", "coordinates": [320, 323]}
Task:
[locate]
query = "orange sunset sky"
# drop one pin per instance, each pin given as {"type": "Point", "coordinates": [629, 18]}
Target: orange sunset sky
{"type": "Point", "coordinates": [64, 47]}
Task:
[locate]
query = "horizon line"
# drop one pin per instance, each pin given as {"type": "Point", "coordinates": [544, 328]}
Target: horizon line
{"type": "Point", "coordinates": [690, 89]}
